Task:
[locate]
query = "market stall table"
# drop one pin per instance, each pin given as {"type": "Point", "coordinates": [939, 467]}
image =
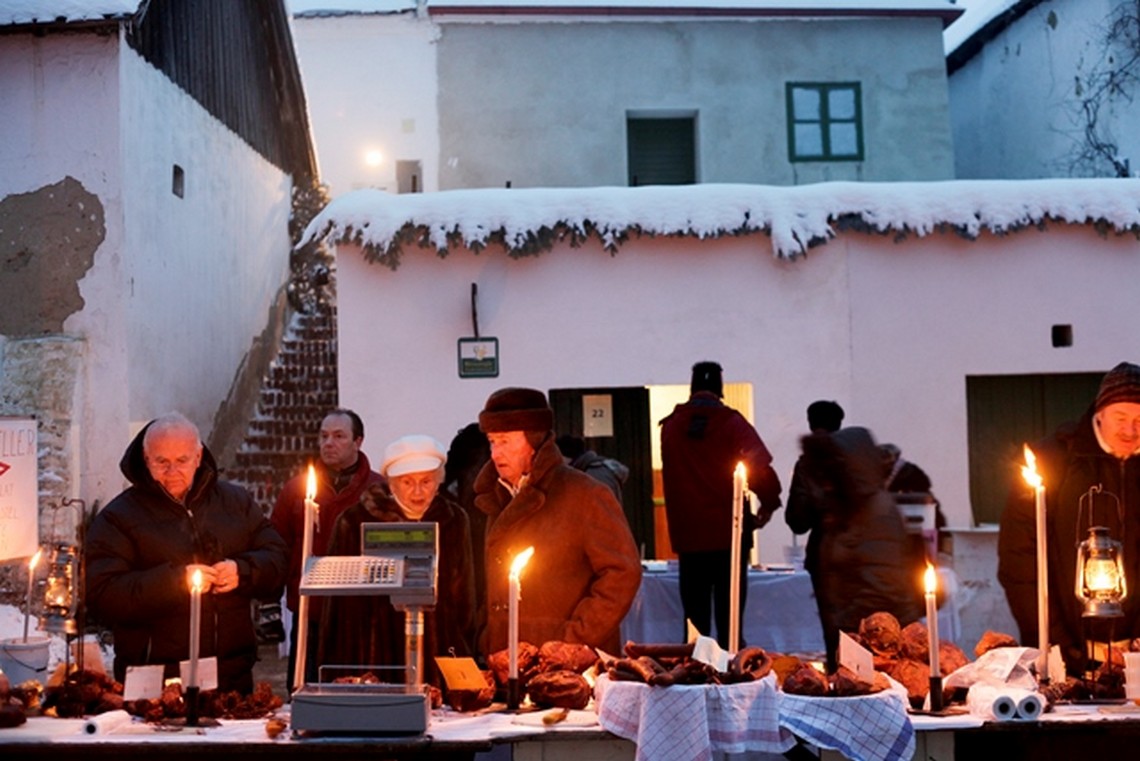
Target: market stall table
{"type": "Point", "coordinates": [780, 614]}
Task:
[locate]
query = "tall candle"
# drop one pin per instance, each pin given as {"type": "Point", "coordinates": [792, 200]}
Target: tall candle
{"type": "Point", "coordinates": [31, 587]}
{"type": "Point", "coordinates": [931, 583]}
{"type": "Point", "coordinates": [514, 593]}
{"type": "Point", "coordinates": [195, 626]}
{"type": "Point", "coordinates": [311, 517]}
{"type": "Point", "coordinates": [739, 478]}
{"type": "Point", "coordinates": [1033, 478]}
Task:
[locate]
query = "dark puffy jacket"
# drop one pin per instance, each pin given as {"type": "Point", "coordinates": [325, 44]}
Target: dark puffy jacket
{"type": "Point", "coordinates": [865, 559]}
{"type": "Point", "coordinates": [1070, 463]}
{"type": "Point", "coordinates": [138, 548]}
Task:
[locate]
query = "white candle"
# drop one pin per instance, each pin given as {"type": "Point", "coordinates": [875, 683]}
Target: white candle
{"type": "Point", "coordinates": [195, 626]}
{"type": "Point", "coordinates": [514, 593]}
{"type": "Point", "coordinates": [739, 479]}
{"type": "Point", "coordinates": [1033, 478]}
{"type": "Point", "coordinates": [31, 587]}
{"type": "Point", "coordinates": [931, 583]}
{"type": "Point", "coordinates": [310, 518]}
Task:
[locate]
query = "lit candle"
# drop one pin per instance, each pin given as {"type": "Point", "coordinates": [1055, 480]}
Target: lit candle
{"type": "Point", "coordinates": [311, 516]}
{"type": "Point", "coordinates": [514, 593]}
{"type": "Point", "coordinates": [195, 626]}
{"type": "Point", "coordinates": [739, 479]}
{"type": "Point", "coordinates": [931, 584]}
{"type": "Point", "coordinates": [1033, 478]}
{"type": "Point", "coordinates": [31, 586]}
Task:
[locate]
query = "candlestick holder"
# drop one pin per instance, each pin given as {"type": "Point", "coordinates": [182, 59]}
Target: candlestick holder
{"type": "Point", "coordinates": [513, 694]}
{"type": "Point", "coordinates": [191, 699]}
{"type": "Point", "coordinates": [936, 694]}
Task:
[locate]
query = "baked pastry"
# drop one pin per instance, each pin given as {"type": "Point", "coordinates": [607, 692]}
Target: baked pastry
{"type": "Point", "coordinates": [915, 642]}
{"type": "Point", "coordinates": [473, 700]}
{"type": "Point", "coordinates": [845, 683]}
{"type": "Point", "coordinates": [992, 639]}
{"type": "Point", "coordinates": [915, 677]}
{"type": "Point", "coordinates": [806, 680]}
{"type": "Point", "coordinates": [500, 663]}
{"type": "Point", "coordinates": [559, 689]}
{"type": "Point", "coordinates": [556, 656]}
{"type": "Point", "coordinates": [950, 658]}
{"type": "Point", "coordinates": [881, 633]}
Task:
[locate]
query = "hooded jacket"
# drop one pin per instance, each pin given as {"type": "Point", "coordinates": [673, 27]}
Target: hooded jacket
{"type": "Point", "coordinates": [585, 570]}
{"type": "Point", "coordinates": [865, 560]}
{"type": "Point", "coordinates": [1071, 462]}
{"type": "Point", "coordinates": [137, 551]}
{"type": "Point", "coordinates": [702, 440]}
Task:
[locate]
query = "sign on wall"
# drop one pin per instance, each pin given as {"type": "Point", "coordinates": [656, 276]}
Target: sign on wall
{"type": "Point", "coordinates": [597, 415]}
{"type": "Point", "coordinates": [478, 358]}
{"type": "Point", "coordinates": [19, 489]}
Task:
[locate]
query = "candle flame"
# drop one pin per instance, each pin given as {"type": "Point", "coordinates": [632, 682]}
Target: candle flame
{"type": "Point", "coordinates": [930, 579]}
{"type": "Point", "coordinates": [311, 484]}
{"type": "Point", "coordinates": [741, 472]}
{"type": "Point", "coordinates": [1029, 470]}
{"type": "Point", "coordinates": [520, 561]}
{"type": "Point", "coordinates": [35, 559]}
{"type": "Point", "coordinates": [196, 581]}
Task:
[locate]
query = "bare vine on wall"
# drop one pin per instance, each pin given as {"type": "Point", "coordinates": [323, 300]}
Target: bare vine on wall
{"type": "Point", "coordinates": [1112, 80]}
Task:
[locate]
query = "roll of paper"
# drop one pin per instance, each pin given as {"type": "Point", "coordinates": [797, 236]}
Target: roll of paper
{"type": "Point", "coordinates": [1028, 705]}
{"type": "Point", "coordinates": [106, 723]}
{"type": "Point", "coordinates": [989, 702]}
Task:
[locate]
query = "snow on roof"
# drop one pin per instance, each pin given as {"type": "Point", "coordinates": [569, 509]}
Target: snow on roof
{"type": "Point", "coordinates": [68, 11]}
{"type": "Point", "coordinates": [530, 221]}
{"type": "Point", "coordinates": [329, 7]}
{"type": "Point", "coordinates": [977, 14]}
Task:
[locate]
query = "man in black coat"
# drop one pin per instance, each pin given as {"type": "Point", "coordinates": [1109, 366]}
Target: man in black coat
{"type": "Point", "coordinates": [144, 547]}
{"type": "Point", "coordinates": [1091, 474]}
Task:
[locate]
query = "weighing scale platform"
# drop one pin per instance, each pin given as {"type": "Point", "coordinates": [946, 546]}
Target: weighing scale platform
{"type": "Point", "coordinates": [360, 709]}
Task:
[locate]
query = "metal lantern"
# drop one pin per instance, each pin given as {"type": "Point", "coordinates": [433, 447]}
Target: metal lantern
{"type": "Point", "coordinates": [61, 595]}
{"type": "Point", "coordinates": [1100, 583]}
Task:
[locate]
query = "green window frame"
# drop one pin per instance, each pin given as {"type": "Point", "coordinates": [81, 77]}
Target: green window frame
{"type": "Point", "coordinates": [825, 121]}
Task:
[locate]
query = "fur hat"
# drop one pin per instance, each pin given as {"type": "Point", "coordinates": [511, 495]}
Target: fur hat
{"type": "Point", "coordinates": [1120, 384]}
{"type": "Point", "coordinates": [412, 454]}
{"type": "Point", "coordinates": [707, 377]}
{"type": "Point", "coordinates": [516, 409]}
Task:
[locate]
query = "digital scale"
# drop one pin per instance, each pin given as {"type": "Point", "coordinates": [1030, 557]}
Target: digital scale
{"type": "Point", "coordinates": [398, 561]}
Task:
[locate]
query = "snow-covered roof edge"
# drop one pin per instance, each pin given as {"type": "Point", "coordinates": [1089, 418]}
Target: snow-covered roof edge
{"type": "Point", "coordinates": [17, 13]}
{"type": "Point", "coordinates": [529, 221]}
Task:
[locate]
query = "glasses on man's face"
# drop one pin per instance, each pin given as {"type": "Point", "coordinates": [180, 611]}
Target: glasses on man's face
{"type": "Point", "coordinates": [162, 464]}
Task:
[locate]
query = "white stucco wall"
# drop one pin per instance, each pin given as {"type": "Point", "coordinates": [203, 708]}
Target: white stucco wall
{"type": "Point", "coordinates": [1014, 106]}
{"type": "Point", "coordinates": [60, 96]}
{"type": "Point", "coordinates": [200, 272]}
{"type": "Point", "coordinates": [370, 81]}
{"type": "Point", "coordinates": [179, 287]}
{"type": "Point", "coordinates": [890, 330]}
{"type": "Point", "coordinates": [518, 101]}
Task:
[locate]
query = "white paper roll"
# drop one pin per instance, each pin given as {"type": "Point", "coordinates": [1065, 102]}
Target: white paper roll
{"type": "Point", "coordinates": [106, 723]}
{"type": "Point", "coordinates": [1029, 705]}
{"type": "Point", "coordinates": [989, 702]}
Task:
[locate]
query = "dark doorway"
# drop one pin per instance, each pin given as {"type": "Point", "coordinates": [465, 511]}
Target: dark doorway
{"type": "Point", "coordinates": [629, 445]}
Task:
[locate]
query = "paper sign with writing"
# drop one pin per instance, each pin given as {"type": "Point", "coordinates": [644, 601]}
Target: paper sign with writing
{"type": "Point", "coordinates": [856, 657]}
{"type": "Point", "coordinates": [19, 489]}
{"type": "Point", "coordinates": [207, 673]}
{"type": "Point", "coordinates": [461, 673]}
{"type": "Point", "coordinates": [143, 682]}
{"type": "Point", "coordinates": [706, 650]}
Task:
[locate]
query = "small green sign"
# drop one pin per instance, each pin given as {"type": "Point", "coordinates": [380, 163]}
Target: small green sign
{"type": "Point", "coordinates": [478, 358]}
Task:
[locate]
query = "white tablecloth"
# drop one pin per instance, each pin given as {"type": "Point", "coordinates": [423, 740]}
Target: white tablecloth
{"type": "Point", "coordinates": [780, 614]}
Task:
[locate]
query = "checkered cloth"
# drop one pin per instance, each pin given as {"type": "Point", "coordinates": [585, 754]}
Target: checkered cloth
{"type": "Point", "coordinates": [691, 722]}
{"type": "Point", "coordinates": [870, 728]}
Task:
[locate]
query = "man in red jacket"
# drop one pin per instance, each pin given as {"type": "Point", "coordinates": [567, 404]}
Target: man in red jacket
{"type": "Point", "coordinates": [343, 473]}
{"type": "Point", "coordinates": [702, 440]}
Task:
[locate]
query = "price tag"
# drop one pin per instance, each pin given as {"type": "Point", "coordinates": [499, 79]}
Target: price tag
{"type": "Point", "coordinates": [461, 674]}
{"type": "Point", "coordinates": [143, 682]}
{"type": "Point", "coordinates": [856, 657]}
{"type": "Point", "coordinates": [207, 673]}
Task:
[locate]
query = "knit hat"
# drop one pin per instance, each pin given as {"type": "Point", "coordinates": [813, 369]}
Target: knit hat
{"type": "Point", "coordinates": [516, 409]}
{"type": "Point", "coordinates": [1120, 384]}
{"type": "Point", "coordinates": [707, 377]}
{"type": "Point", "coordinates": [412, 454]}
